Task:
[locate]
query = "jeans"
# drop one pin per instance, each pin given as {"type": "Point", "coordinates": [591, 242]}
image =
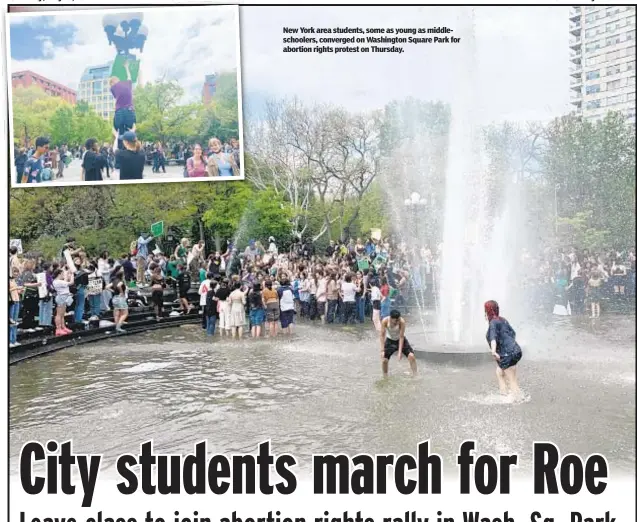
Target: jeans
{"type": "Point", "coordinates": [124, 120]}
{"type": "Point", "coordinates": [331, 310]}
{"type": "Point", "coordinates": [45, 315]}
{"type": "Point", "coordinates": [360, 309]}
{"type": "Point", "coordinates": [80, 302]}
{"type": "Point", "coordinates": [305, 309]}
{"type": "Point", "coordinates": [14, 315]}
{"type": "Point", "coordinates": [349, 312]}
{"type": "Point", "coordinates": [212, 324]}
{"type": "Point", "coordinates": [95, 304]}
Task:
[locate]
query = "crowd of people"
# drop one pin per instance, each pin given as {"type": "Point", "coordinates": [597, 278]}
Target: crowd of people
{"type": "Point", "coordinates": [43, 163]}
{"type": "Point", "coordinates": [264, 289]}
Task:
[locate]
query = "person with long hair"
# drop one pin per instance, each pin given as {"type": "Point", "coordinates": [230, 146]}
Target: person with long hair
{"type": "Point", "coordinates": [61, 282]}
{"type": "Point", "coordinates": [131, 158]}
{"type": "Point", "coordinates": [220, 163]}
{"type": "Point", "coordinates": [120, 299]}
{"type": "Point", "coordinates": [504, 348]}
{"type": "Point", "coordinates": [157, 285]}
{"type": "Point", "coordinates": [257, 310]}
{"type": "Point", "coordinates": [196, 165]}
{"type": "Point", "coordinates": [271, 300]}
{"type": "Point", "coordinates": [237, 299]}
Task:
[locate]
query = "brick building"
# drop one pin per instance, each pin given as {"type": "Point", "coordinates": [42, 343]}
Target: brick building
{"type": "Point", "coordinates": [209, 88]}
{"type": "Point", "coordinates": [29, 78]}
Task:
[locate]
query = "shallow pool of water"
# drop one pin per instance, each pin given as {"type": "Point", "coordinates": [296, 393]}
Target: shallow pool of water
{"type": "Point", "coordinates": [321, 391]}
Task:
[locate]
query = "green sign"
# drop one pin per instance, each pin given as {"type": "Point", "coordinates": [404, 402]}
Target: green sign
{"type": "Point", "coordinates": [157, 229]}
{"type": "Point", "coordinates": [379, 260]}
{"type": "Point", "coordinates": [363, 264]}
{"type": "Point", "coordinates": [119, 70]}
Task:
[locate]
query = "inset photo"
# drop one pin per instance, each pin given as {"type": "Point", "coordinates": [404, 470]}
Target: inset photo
{"type": "Point", "coordinates": [125, 96]}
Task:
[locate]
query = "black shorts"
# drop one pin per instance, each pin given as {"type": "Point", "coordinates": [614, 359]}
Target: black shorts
{"type": "Point", "coordinates": [158, 297]}
{"type": "Point", "coordinates": [183, 293]}
{"type": "Point", "coordinates": [375, 305]}
{"type": "Point", "coordinates": [391, 347]}
{"type": "Point", "coordinates": [509, 360]}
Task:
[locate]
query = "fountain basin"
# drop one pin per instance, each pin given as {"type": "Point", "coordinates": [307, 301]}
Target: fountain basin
{"type": "Point", "coordinates": [432, 349]}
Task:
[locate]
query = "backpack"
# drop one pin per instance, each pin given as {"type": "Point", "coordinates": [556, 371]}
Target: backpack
{"type": "Point", "coordinates": [45, 175]}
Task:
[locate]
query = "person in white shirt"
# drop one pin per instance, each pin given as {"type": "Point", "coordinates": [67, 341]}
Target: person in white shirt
{"type": "Point", "coordinates": [204, 288]}
{"type": "Point", "coordinates": [348, 296]}
{"type": "Point", "coordinates": [286, 303]}
{"type": "Point", "coordinates": [272, 249]}
{"type": "Point", "coordinates": [376, 297]}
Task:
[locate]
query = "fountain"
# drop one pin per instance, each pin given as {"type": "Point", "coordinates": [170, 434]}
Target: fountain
{"type": "Point", "coordinates": [475, 257]}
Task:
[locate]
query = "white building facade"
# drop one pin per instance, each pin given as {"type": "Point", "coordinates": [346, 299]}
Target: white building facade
{"type": "Point", "coordinates": [602, 58]}
{"type": "Point", "coordinates": [95, 89]}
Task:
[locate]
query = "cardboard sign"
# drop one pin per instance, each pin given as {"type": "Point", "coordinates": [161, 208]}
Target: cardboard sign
{"type": "Point", "coordinates": [376, 234]}
{"type": "Point", "coordinates": [42, 290]}
{"type": "Point", "coordinates": [379, 260]}
{"type": "Point", "coordinates": [69, 261]}
{"type": "Point", "coordinates": [119, 70]}
{"type": "Point", "coordinates": [157, 229]}
{"type": "Point", "coordinates": [363, 264]}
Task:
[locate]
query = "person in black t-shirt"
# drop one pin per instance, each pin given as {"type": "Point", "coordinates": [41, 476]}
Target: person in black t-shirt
{"type": "Point", "coordinates": [93, 162]}
{"type": "Point", "coordinates": [131, 159]}
{"type": "Point", "coordinates": [183, 285]}
{"type": "Point", "coordinates": [211, 310]}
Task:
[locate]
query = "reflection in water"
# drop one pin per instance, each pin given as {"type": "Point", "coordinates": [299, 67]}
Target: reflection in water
{"type": "Point", "coordinates": [321, 391]}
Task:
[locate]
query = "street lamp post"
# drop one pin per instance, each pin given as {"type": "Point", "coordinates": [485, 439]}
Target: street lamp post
{"type": "Point", "coordinates": [413, 204]}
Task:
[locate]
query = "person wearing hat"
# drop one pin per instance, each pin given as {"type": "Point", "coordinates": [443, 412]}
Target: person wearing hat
{"type": "Point", "coordinates": [131, 158]}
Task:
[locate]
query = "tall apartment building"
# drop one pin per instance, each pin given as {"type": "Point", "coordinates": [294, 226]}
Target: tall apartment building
{"type": "Point", "coordinates": [29, 78]}
{"type": "Point", "coordinates": [603, 60]}
{"type": "Point", "coordinates": [95, 89]}
{"type": "Point", "coordinates": [209, 88]}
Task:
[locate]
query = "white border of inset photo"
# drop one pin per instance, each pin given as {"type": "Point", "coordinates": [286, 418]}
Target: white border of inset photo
{"type": "Point", "coordinates": [114, 10]}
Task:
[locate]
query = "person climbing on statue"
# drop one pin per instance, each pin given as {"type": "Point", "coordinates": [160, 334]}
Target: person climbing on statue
{"type": "Point", "coordinates": [125, 118]}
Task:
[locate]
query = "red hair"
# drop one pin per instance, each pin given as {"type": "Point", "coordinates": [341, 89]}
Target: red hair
{"type": "Point", "coordinates": [492, 309]}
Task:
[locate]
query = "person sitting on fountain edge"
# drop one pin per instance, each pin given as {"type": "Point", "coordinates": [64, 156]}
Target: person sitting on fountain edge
{"type": "Point", "coordinates": [124, 119]}
{"type": "Point", "coordinates": [392, 339]}
{"type": "Point", "coordinates": [504, 348]}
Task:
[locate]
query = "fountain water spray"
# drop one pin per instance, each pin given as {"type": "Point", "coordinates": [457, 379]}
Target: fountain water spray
{"type": "Point", "coordinates": [476, 259]}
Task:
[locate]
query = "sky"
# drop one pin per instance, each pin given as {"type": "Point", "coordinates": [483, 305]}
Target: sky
{"type": "Point", "coordinates": [183, 44]}
{"type": "Point", "coordinates": [520, 72]}
{"type": "Point", "coordinates": [523, 72]}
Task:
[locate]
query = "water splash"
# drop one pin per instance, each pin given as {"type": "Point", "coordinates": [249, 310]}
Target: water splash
{"type": "Point", "coordinates": [476, 258]}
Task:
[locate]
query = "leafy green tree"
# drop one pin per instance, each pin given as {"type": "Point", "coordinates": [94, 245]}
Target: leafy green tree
{"type": "Point", "coordinates": [63, 126]}
{"type": "Point", "coordinates": [155, 104]}
{"type": "Point", "coordinates": [32, 113]}
{"type": "Point", "coordinates": [591, 168]}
